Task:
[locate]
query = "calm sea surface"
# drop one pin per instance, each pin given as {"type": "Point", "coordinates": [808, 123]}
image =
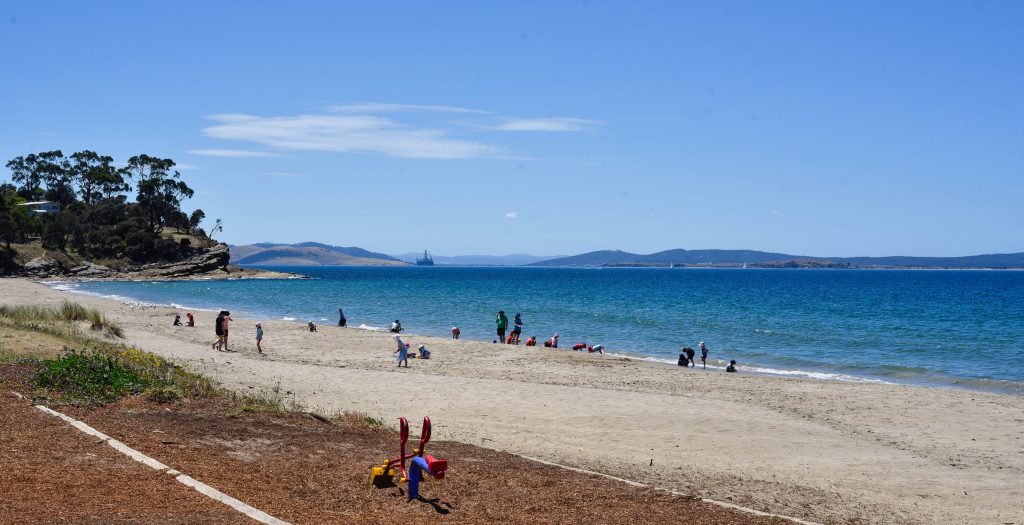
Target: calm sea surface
{"type": "Point", "coordinates": [946, 328]}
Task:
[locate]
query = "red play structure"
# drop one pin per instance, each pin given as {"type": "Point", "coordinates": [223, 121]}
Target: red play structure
{"type": "Point", "coordinates": [383, 475]}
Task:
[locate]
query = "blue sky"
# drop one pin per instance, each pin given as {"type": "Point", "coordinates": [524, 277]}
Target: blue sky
{"type": "Point", "coordinates": [817, 128]}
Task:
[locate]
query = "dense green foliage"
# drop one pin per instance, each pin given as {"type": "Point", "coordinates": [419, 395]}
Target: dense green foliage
{"type": "Point", "coordinates": [97, 220]}
{"type": "Point", "coordinates": [89, 376]}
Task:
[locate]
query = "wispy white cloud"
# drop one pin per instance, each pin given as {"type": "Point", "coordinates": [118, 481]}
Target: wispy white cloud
{"type": "Point", "coordinates": [511, 215]}
{"type": "Point", "coordinates": [545, 124]}
{"type": "Point", "coordinates": [345, 133]}
{"type": "Point", "coordinates": [229, 153]}
{"type": "Point", "coordinates": [379, 107]}
{"type": "Point", "coordinates": [184, 166]}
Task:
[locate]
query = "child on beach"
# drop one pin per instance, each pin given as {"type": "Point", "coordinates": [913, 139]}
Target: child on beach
{"type": "Point", "coordinates": [312, 326]}
{"type": "Point", "coordinates": [552, 343]}
{"type": "Point", "coordinates": [502, 322]}
{"type": "Point", "coordinates": [579, 347]}
{"type": "Point", "coordinates": [402, 351]}
{"type": "Point", "coordinates": [177, 319]}
{"type": "Point", "coordinates": [191, 321]}
{"type": "Point", "coordinates": [703, 355]}
{"type": "Point", "coordinates": [342, 322]}
{"type": "Point", "coordinates": [455, 332]}
{"type": "Point", "coordinates": [396, 327]}
{"type": "Point", "coordinates": [424, 352]}
{"type": "Point", "coordinates": [259, 337]}
{"type": "Point", "coordinates": [596, 348]}
{"type": "Point", "coordinates": [731, 367]}
{"type": "Point", "coordinates": [532, 341]}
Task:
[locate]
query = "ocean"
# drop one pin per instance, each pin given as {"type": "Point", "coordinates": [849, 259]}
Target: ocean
{"type": "Point", "coordinates": [960, 329]}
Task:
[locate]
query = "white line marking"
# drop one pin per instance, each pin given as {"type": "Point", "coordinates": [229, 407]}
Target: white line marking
{"type": "Point", "coordinates": [673, 492]}
{"type": "Point", "coordinates": [188, 481]}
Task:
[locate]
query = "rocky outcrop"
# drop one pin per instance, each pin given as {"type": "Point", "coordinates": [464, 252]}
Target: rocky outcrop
{"type": "Point", "coordinates": [89, 270]}
{"type": "Point", "coordinates": [42, 267]}
{"type": "Point", "coordinates": [212, 260]}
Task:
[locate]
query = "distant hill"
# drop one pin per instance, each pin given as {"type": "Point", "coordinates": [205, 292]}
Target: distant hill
{"type": "Point", "coordinates": [518, 259]}
{"type": "Point", "coordinates": [755, 258]}
{"type": "Point", "coordinates": [308, 254]}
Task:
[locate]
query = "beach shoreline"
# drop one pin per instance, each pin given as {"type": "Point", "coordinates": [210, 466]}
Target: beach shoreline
{"type": "Point", "coordinates": [827, 451]}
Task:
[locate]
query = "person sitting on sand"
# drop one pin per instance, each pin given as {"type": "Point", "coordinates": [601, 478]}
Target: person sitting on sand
{"type": "Point", "coordinates": [191, 320]}
{"type": "Point", "coordinates": [703, 355]}
{"type": "Point", "coordinates": [424, 352]}
{"type": "Point", "coordinates": [177, 319]}
{"type": "Point", "coordinates": [596, 348]}
{"type": "Point", "coordinates": [312, 326]}
{"type": "Point", "coordinates": [402, 351]}
{"type": "Point", "coordinates": [552, 343]}
{"type": "Point", "coordinates": [396, 327]}
{"type": "Point", "coordinates": [532, 341]}
{"type": "Point", "coordinates": [456, 332]}
{"type": "Point", "coordinates": [579, 347]}
{"type": "Point", "coordinates": [259, 338]}
{"type": "Point", "coordinates": [731, 367]}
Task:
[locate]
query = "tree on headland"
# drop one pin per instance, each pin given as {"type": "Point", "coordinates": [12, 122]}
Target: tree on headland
{"type": "Point", "coordinates": [96, 217]}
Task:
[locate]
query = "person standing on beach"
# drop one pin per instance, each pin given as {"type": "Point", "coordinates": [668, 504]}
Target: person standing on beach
{"type": "Point", "coordinates": [456, 332]}
{"type": "Point", "coordinates": [517, 329]}
{"type": "Point", "coordinates": [219, 330]}
{"type": "Point", "coordinates": [502, 323]}
{"type": "Point", "coordinates": [689, 356]}
{"type": "Point", "coordinates": [402, 351]}
{"type": "Point", "coordinates": [225, 321]}
{"type": "Point", "coordinates": [259, 337]}
{"type": "Point", "coordinates": [703, 355]}
{"type": "Point", "coordinates": [342, 322]}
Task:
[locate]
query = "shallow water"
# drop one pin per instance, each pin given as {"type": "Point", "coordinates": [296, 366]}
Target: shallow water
{"type": "Point", "coordinates": [949, 328]}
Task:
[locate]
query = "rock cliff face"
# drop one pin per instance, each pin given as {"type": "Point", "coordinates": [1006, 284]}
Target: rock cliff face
{"type": "Point", "coordinates": [213, 260]}
{"type": "Point", "coordinates": [210, 260]}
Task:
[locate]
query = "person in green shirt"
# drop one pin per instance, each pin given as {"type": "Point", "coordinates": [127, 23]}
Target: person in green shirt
{"type": "Point", "coordinates": [502, 322]}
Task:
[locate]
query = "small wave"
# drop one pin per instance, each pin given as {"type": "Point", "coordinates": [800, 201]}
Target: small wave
{"type": "Point", "coordinates": [287, 318]}
{"type": "Point", "coordinates": [370, 328]}
{"type": "Point", "coordinates": [70, 287]}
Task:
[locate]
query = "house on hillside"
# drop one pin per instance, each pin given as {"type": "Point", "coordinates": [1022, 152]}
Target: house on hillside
{"type": "Point", "coordinates": [38, 208]}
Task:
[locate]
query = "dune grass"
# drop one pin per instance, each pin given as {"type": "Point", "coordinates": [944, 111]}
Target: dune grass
{"type": "Point", "coordinates": [36, 316]}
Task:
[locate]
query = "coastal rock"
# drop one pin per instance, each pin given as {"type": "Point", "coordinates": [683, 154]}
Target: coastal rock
{"type": "Point", "coordinates": [91, 270]}
{"type": "Point", "coordinates": [42, 267]}
{"type": "Point", "coordinates": [213, 259]}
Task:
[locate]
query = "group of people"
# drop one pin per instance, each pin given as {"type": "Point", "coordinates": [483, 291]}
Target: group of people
{"type": "Point", "coordinates": [403, 352]}
{"type": "Point", "coordinates": [686, 358]}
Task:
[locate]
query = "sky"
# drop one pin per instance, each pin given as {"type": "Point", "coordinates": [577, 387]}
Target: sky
{"type": "Point", "coordinates": [820, 128]}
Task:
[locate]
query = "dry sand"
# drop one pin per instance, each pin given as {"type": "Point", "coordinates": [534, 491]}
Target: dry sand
{"type": "Point", "coordinates": [826, 451]}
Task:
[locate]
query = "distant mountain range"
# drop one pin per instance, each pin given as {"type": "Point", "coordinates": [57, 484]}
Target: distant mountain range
{"type": "Point", "coordinates": [517, 259]}
{"type": "Point", "coordinates": [314, 253]}
{"type": "Point", "coordinates": [757, 259]}
{"type": "Point", "coordinates": [308, 254]}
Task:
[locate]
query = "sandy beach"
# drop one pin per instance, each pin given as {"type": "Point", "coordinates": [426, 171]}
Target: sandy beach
{"type": "Point", "coordinates": [825, 451]}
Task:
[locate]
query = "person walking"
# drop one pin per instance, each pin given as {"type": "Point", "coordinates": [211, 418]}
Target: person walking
{"type": "Point", "coordinates": [689, 356]}
{"type": "Point", "coordinates": [342, 322]}
{"type": "Point", "coordinates": [502, 323]}
{"type": "Point", "coordinates": [259, 337]}
{"type": "Point", "coordinates": [225, 321]}
{"type": "Point", "coordinates": [703, 355]}
{"type": "Point", "coordinates": [402, 351]}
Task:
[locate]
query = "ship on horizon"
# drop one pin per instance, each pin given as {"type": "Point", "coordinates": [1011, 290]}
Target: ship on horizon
{"type": "Point", "coordinates": [427, 260]}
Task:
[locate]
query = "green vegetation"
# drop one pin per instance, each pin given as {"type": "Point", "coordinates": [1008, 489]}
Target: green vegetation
{"type": "Point", "coordinates": [89, 376]}
{"type": "Point", "coordinates": [34, 316]}
{"type": "Point", "coordinates": [96, 219]}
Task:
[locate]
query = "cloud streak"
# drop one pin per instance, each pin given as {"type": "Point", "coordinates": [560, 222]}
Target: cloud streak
{"type": "Point", "coordinates": [379, 107]}
{"type": "Point", "coordinates": [229, 153]}
{"type": "Point", "coordinates": [362, 133]}
{"type": "Point", "coordinates": [546, 124]}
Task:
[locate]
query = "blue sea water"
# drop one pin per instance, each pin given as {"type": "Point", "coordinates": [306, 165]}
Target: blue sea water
{"type": "Point", "coordinates": [944, 328]}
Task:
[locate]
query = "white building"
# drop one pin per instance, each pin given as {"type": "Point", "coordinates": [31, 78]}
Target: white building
{"type": "Point", "coordinates": [42, 207]}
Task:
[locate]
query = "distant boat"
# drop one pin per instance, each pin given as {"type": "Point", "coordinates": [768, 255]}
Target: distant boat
{"type": "Point", "coordinates": [671, 264]}
{"type": "Point", "coordinates": [427, 260]}
{"type": "Point", "coordinates": [744, 266]}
